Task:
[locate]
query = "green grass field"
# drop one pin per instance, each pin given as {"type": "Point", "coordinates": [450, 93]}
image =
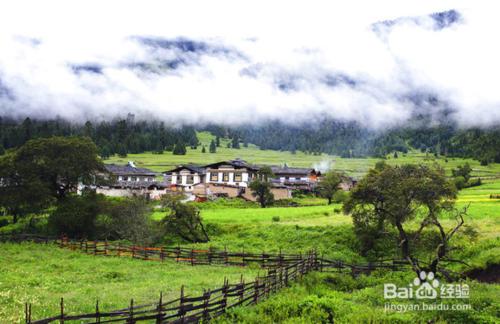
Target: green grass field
{"type": "Point", "coordinates": [252, 154]}
{"type": "Point", "coordinates": [42, 274]}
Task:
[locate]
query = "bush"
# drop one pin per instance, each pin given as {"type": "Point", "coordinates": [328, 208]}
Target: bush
{"type": "Point", "coordinates": [76, 216]}
{"type": "Point", "coordinates": [276, 218]}
{"type": "Point", "coordinates": [460, 182]}
{"type": "Point", "coordinates": [340, 196]}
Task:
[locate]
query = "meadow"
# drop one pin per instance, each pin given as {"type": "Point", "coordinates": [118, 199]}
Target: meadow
{"type": "Point", "coordinates": [42, 274]}
{"type": "Point", "coordinates": [355, 167]}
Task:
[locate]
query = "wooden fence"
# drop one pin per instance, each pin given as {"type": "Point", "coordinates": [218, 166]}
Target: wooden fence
{"type": "Point", "coordinates": [194, 309]}
{"type": "Point", "coordinates": [281, 270]}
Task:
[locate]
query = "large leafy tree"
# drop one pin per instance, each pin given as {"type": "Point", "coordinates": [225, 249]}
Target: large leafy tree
{"type": "Point", "coordinates": [393, 196]}
{"type": "Point", "coordinates": [60, 163]}
{"type": "Point", "coordinates": [45, 170]}
{"type": "Point", "coordinates": [183, 220]}
{"type": "Point", "coordinates": [21, 193]}
{"type": "Point", "coordinates": [261, 187]}
{"type": "Point", "coordinates": [329, 185]}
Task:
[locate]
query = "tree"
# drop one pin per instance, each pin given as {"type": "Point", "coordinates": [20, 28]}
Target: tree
{"type": "Point", "coordinates": [462, 171]}
{"type": "Point", "coordinates": [329, 185]}
{"type": "Point", "coordinates": [76, 216]}
{"type": "Point", "coordinates": [235, 143]}
{"type": "Point", "coordinates": [203, 150]}
{"type": "Point", "coordinates": [393, 195]}
{"type": "Point", "coordinates": [213, 147]}
{"type": "Point", "coordinates": [60, 163]}
{"type": "Point", "coordinates": [2, 150]}
{"type": "Point", "coordinates": [217, 141]}
{"type": "Point", "coordinates": [261, 187]}
{"type": "Point", "coordinates": [183, 220]}
{"type": "Point", "coordinates": [179, 149]}
{"type": "Point", "coordinates": [21, 193]}
{"type": "Point", "coordinates": [130, 220]}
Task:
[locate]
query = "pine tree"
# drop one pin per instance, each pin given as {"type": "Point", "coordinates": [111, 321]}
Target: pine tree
{"type": "Point", "coordinates": [179, 149]}
{"type": "Point", "coordinates": [213, 147]}
{"type": "Point", "coordinates": [217, 141]}
{"type": "Point", "coordinates": [203, 150]}
{"type": "Point", "coordinates": [235, 143]}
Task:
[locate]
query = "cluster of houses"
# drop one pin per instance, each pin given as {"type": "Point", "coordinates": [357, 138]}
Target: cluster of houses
{"type": "Point", "coordinates": [222, 179]}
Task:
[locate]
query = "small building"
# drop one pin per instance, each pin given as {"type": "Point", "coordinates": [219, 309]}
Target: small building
{"type": "Point", "coordinates": [296, 178]}
{"type": "Point", "coordinates": [185, 177]}
{"type": "Point", "coordinates": [129, 180]}
{"type": "Point", "coordinates": [129, 173]}
{"type": "Point", "coordinates": [234, 172]}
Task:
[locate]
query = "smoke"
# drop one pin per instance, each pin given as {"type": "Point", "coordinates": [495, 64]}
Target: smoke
{"type": "Point", "coordinates": [224, 62]}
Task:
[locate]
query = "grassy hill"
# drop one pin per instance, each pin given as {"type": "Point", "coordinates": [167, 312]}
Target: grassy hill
{"type": "Point", "coordinates": [355, 167]}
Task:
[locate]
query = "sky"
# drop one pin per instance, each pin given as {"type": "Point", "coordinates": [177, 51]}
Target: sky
{"type": "Point", "coordinates": [235, 62]}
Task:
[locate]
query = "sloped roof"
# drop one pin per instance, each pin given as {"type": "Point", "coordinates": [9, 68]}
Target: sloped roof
{"type": "Point", "coordinates": [237, 163]}
{"type": "Point", "coordinates": [296, 171]}
{"type": "Point", "coordinates": [191, 167]}
{"type": "Point", "coordinates": [128, 170]}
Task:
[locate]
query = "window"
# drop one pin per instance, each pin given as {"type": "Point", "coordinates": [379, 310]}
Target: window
{"type": "Point", "coordinates": [237, 177]}
{"type": "Point", "coordinates": [214, 176]}
{"type": "Point", "coordinates": [225, 177]}
{"type": "Point", "coordinates": [120, 178]}
{"type": "Point", "coordinates": [189, 179]}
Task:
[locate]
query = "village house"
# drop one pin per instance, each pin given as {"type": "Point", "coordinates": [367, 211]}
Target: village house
{"type": "Point", "coordinates": [234, 172]}
{"type": "Point", "coordinates": [185, 177]}
{"type": "Point", "coordinates": [129, 180]}
{"type": "Point", "coordinates": [296, 178]}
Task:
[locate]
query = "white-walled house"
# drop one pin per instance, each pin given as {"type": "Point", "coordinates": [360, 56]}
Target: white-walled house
{"type": "Point", "coordinates": [186, 176]}
{"type": "Point", "coordinates": [129, 180]}
{"type": "Point", "coordinates": [234, 172]}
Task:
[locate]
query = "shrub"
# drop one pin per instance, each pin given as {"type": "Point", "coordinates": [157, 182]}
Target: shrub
{"type": "Point", "coordinates": [276, 218]}
{"type": "Point", "coordinates": [76, 216]}
{"type": "Point", "coordinates": [340, 196]}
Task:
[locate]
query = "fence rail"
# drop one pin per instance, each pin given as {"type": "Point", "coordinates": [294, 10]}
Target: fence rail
{"type": "Point", "coordinates": [282, 269]}
{"type": "Point", "coordinates": [194, 309]}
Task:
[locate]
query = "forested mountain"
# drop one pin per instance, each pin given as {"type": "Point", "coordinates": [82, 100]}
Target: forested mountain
{"type": "Point", "coordinates": [347, 139]}
{"type": "Point", "coordinates": [120, 136]}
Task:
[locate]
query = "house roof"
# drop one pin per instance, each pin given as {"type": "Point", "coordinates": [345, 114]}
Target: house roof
{"type": "Point", "coordinates": [295, 171]}
{"type": "Point", "coordinates": [128, 170]}
{"type": "Point", "coordinates": [237, 164]}
{"type": "Point", "coordinates": [191, 167]}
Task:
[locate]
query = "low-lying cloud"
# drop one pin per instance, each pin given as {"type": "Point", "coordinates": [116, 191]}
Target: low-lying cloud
{"type": "Point", "coordinates": [223, 62]}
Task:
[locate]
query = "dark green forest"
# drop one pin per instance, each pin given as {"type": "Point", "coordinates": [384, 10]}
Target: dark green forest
{"type": "Point", "coordinates": [347, 139]}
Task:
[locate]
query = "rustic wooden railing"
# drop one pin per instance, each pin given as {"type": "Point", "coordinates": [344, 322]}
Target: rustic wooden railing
{"type": "Point", "coordinates": [282, 269]}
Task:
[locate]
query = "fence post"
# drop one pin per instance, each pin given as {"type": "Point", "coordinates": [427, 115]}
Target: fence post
{"type": "Point", "coordinates": [86, 246]}
{"type": "Point", "coordinates": [95, 247]}
{"type": "Point", "coordinates": [178, 252]}
{"type": "Point", "coordinates": [97, 315]}
{"type": "Point", "coordinates": [181, 306]}
{"type": "Point", "coordinates": [225, 255]}
{"type": "Point", "coordinates": [106, 247]}
{"type": "Point", "coordinates": [133, 252]}
{"type": "Point", "coordinates": [256, 291]}
{"type": "Point", "coordinates": [192, 257]}
{"type": "Point", "coordinates": [206, 302]}
{"type": "Point", "coordinates": [160, 309]}
{"type": "Point", "coordinates": [242, 287]}
{"type": "Point", "coordinates": [145, 252]}
{"type": "Point", "coordinates": [286, 276]}
{"type": "Point", "coordinates": [162, 254]}
{"type": "Point", "coordinates": [224, 292]}
{"type": "Point", "coordinates": [131, 312]}
{"type": "Point", "coordinates": [62, 311]}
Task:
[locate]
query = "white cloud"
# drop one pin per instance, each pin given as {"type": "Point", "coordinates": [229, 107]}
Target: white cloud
{"type": "Point", "coordinates": [280, 59]}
